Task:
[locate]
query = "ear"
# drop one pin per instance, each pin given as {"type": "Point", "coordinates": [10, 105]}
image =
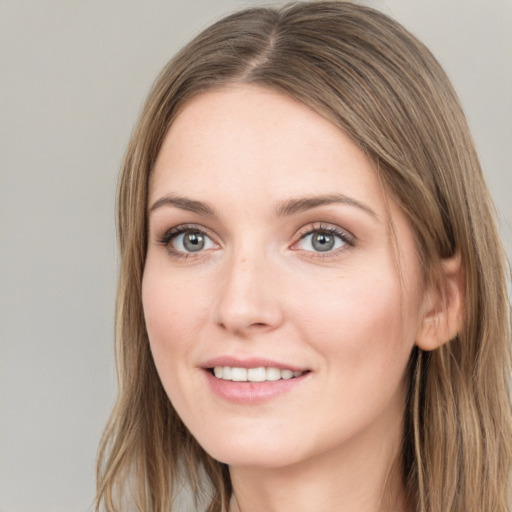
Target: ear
{"type": "Point", "coordinates": [444, 307]}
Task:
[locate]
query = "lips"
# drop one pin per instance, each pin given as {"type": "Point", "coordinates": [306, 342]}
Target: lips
{"type": "Point", "coordinates": [251, 381]}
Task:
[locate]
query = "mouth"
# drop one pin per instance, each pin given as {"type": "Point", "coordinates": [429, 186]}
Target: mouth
{"type": "Point", "coordinates": [252, 381]}
{"type": "Point", "coordinates": [259, 374]}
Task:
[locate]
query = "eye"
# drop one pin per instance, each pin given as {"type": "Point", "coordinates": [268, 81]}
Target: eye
{"type": "Point", "coordinates": [191, 241]}
{"type": "Point", "coordinates": [186, 240]}
{"type": "Point", "coordinates": [323, 239]}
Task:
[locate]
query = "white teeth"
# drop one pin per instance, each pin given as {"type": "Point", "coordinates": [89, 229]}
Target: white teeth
{"type": "Point", "coordinates": [239, 374]}
{"type": "Point", "coordinates": [273, 373]}
{"type": "Point", "coordinates": [256, 374]}
{"type": "Point", "coordinates": [260, 374]}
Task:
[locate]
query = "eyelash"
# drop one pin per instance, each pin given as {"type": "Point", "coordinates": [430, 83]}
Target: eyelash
{"type": "Point", "coordinates": [174, 232]}
{"type": "Point", "coordinates": [347, 239]}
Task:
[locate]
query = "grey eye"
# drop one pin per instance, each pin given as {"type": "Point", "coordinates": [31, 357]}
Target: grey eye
{"type": "Point", "coordinates": [191, 241]}
{"type": "Point", "coordinates": [321, 241]}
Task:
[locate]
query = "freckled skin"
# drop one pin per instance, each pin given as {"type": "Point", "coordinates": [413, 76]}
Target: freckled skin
{"type": "Point", "coordinates": [262, 292]}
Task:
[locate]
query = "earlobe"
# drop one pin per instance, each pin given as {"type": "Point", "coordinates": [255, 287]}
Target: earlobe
{"type": "Point", "coordinates": [444, 307]}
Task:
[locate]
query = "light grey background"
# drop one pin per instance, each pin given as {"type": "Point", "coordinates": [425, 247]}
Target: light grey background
{"type": "Point", "coordinates": [73, 75]}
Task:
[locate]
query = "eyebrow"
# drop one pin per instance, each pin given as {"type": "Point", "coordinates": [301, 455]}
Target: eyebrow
{"type": "Point", "coordinates": [184, 204]}
{"type": "Point", "coordinates": [293, 206]}
{"type": "Point", "coordinates": [283, 209]}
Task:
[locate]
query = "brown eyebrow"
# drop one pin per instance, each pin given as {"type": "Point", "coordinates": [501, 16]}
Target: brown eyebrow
{"type": "Point", "coordinates": [285, 208]}
{"type": "Point", "coordinates": [293, 206]}
{"type": "Point", "coordinates": [184, 204]}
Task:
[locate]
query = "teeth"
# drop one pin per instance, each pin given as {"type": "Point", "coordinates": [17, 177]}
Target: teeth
{"type": "Point", "coordinates": [260, 374]}
{"type": "Point", "coordinates": [239, 374]}
{"type": "Point", "coordinates": [273, 373]}
{"type": "Point", "coordinates": [256, 374]}
{"type": "Point", "coordinates": [286, 374]}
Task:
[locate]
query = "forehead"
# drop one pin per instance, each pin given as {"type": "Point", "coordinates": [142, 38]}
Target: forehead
{"type": "Point", "coordinates": [248, 139]}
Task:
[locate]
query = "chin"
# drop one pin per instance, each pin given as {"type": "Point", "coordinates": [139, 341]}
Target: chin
{"type": "Point", "coordinates": [253, 458]}
{"type": "Point", "coordinates": [253, 451]}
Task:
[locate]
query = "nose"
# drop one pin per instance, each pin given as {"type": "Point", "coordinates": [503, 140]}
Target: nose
{"type": "Point", "coordinates": [248, 300]}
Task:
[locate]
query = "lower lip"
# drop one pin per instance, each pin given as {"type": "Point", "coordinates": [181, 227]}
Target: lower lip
{"type": "Point", "coordinates": [252, 392]}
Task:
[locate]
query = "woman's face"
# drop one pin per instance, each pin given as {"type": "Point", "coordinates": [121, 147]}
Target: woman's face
{"type": "Point", "coordinates": [271, 256]}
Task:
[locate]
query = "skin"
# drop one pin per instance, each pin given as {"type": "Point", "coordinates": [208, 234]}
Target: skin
{"type": "Point", "coordinates": [260, 289]}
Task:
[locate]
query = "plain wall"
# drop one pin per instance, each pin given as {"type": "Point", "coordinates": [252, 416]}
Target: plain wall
{"type": "Point", "coordinates": [73, 75]}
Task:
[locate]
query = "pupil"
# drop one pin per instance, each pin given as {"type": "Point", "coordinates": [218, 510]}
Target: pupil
{"type": "Point", "coordinates": [323, 242]}
{"type": "Point", "coordinates": [193, 242]}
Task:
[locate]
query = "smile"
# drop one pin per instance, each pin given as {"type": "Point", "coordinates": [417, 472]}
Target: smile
{"type": "Point", "coordinates": [260, 374]}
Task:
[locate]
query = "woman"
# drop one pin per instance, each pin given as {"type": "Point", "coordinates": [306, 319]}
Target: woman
{"type": "Point", "coordinates": [312, 308]}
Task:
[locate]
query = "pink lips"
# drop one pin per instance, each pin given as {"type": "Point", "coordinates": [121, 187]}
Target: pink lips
{"type": "Point", "coordinates": [252, 362]}
{"type": "Point", "coordinates": [250, 393]}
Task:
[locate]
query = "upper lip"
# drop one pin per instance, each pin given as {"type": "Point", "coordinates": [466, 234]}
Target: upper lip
{"type": "Point", "coordinates": [253, 362]}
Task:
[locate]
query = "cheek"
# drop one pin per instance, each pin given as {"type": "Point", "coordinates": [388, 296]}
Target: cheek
{"type": "Point", "coordinates": [173, 313]}
{"type": "Point", "coordinates": [361, 319]}
{"type": "Point", "coordinates": [172, 303]}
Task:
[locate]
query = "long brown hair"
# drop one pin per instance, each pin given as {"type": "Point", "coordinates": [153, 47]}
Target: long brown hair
{"type": "Point", "coordinates": [381, 86]}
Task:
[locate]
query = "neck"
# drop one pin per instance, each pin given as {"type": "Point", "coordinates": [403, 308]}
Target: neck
{"type": "Point", "coordinates": [363, 476]}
